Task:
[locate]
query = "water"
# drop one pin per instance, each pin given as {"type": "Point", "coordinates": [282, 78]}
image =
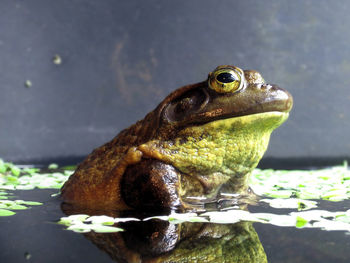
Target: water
{"type": "Point", "coordinates": [289, 244]}
{"type": "Point", "coordinates": [33, 236]}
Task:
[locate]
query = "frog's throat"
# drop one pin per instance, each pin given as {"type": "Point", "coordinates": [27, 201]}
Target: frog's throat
{"type": "Point", "coordinates": [230, 146]}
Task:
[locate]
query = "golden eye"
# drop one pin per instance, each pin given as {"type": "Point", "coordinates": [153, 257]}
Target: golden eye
{"type": "Point", "coordinates": [226, 79]}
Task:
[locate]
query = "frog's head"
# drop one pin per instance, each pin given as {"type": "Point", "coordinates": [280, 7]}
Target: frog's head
{"type": "Point", "coordinates": [221, 125]}
{"type": "Point", "coordinates": [229, 92]}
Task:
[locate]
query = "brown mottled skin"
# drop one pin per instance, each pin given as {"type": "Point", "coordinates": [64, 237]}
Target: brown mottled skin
{"type": "Point", "coordinates": [144, 165]}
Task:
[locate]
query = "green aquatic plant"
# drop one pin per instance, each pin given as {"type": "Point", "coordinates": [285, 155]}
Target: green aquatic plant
{"type": "Point", "coordinates": [82, 223]}
{"type": "Point", "coordinates": [6, 212]}
{"type": "Point", "coordinates": [286, 189]}
{"type": "Point", "coordinates": [297, 190]}
{"type": "Point", "coordinates": [332, 184]}
{"type": "Point", "coordinates": [322, 219]}
{"type": "Point", "coordinates": [14, 177]}
{"type": "Point", "coordinates": [290, 203]}
{"type": "Point", "coordinates": [7, 206]}
{"type": "Point", "coordinates": [53, 166]}
{"type": "Point", "coordinates": [178, 218]}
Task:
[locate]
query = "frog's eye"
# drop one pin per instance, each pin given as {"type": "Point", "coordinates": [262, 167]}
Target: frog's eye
{"type": "Point", "coordinates": [226, 79]}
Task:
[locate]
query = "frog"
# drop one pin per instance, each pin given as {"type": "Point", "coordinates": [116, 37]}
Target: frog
{"type": "Point", "coordinates": [201, 140]}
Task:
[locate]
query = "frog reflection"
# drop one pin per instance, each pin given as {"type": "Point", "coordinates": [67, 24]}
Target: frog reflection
{"type": "Point", "coordinates": [161, 241]}
{"type": "Point", "coordinates": [200, 140]}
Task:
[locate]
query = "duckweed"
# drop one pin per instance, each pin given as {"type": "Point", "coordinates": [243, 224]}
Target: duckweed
{"type": "Point", "coordinates": [7, 206]}
{"type": "Point", "coordinates": [332, 184]}
{"type": "Point", "coordinates": [322, 219]}
{"type": "Point", "coordinates": [82, 223]}
{"type": "Point", "coordinates": [298, 190]}
{"type": "Point", "coordinates": [13, 177]}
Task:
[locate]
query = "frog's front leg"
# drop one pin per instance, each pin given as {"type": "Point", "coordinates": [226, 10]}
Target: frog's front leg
{"type": "Point", "coordinates": [151, 184]}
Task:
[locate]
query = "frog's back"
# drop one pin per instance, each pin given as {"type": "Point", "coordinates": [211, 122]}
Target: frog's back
{"type": "Point", "coordinates": [98, 164]}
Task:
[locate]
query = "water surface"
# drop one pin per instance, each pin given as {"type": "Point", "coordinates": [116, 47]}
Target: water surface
{"type": "Point", "coordinates": [33, 235]}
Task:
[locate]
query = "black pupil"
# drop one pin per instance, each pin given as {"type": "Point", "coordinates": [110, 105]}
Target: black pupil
{"type": "Point", "coordinates": [225, 77]}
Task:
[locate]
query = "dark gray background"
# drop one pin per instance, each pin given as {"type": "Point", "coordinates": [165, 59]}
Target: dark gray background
{"type": "Point", "coordinates": [120, 58]}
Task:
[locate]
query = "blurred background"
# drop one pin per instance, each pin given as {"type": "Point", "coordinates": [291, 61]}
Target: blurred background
{"type": "Point", "coordinates": [73, 73]}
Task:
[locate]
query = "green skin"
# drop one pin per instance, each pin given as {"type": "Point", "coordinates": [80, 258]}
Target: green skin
{"type": "Point", "coordinates": [200, 140]}
{"type": "Point", "coordinates": [222, 152]}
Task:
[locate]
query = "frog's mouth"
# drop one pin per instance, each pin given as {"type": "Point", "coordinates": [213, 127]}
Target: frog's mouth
{"type": "Point", "coordinates": [258, 122]}
{"type": "Point", "coordinates": [202, 105]}
{"type": "Point", "coordinates": [255, 99]}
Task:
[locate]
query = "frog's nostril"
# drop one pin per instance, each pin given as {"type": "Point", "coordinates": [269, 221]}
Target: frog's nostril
{"type": "Point", "coordinates": [261, 86]}
{"type": "Point", "coordinates": [267, 87]}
